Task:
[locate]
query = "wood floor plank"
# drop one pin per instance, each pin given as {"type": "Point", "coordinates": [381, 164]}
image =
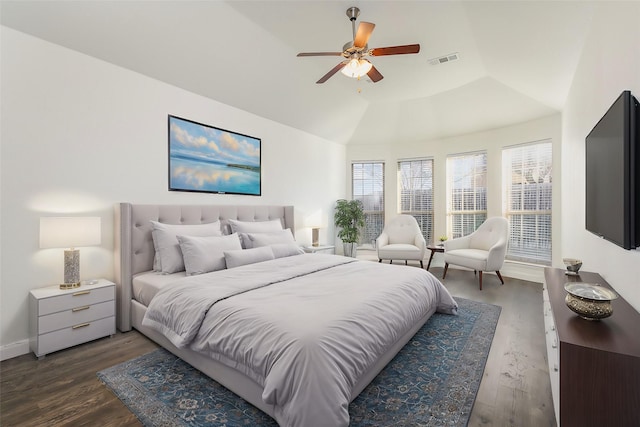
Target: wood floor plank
{"type": "Point", "coordinates": [482, 415]}
{"type": "Point", "coordinates": [63, 389]}
{"type": "Point", "coordinates": [515, 389]}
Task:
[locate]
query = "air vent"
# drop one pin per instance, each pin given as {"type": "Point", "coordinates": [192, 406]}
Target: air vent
{"type": "Point", "coordinates": [444, 59]}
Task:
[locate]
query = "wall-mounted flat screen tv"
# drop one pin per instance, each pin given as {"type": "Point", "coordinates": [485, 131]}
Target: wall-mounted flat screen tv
{"type": "Point", "coordinates": [208, 159]}
{"type": "Point", "coordinates": [612, 152]}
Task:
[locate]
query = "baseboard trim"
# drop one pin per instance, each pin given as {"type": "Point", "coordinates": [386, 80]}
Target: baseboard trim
{"type": "Point", "coordinates": [9, 351]}
{"type": "Point", "coordinates": [529, 272]}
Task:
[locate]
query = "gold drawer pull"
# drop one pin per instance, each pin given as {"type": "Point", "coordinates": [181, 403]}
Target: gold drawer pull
{"type": "Point", "coordinates": [86, 307]}
{"type": "Point", "coordinates": [81, 293]}
{"type": "Point", "coordinates": [82, 325]}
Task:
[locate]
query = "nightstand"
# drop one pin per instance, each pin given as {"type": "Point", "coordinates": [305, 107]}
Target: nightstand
{"type": "Point", "coordinates": [320, 248]}
{"type": "Point", "coordinates": [62, 318]}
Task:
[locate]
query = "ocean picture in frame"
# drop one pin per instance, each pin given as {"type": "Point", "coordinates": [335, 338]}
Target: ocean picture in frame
{"type": "Point", "coordinates": [208, 159]}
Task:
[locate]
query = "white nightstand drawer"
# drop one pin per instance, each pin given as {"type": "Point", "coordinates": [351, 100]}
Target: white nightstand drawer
{"type": "Point", "coordinates": [327, 249]}
{"type": "Point", "coordinates": [75, 335]}
{"type": "Point", "coordinates": [75, 316]}
{"type": "Point", "coordinates": [78, 298]}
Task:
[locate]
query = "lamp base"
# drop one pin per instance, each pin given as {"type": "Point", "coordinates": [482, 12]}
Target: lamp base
{"type": "Point", "coordinates": [71, 269]}
{"type": "Point", "coordinates": [315, 240]}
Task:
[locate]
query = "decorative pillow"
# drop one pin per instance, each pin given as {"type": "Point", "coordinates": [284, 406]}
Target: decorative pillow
{"type": "Point", "coordinates": [244, 227]}
{"type": "Point", "coordinates": [247, 256]}
{"type": "Point", "coordinates": [205, 254]}
{"type": "Point", "coordinates": [266, 239]}
{"type": "Point", "coordinates": [166, 243]}
{"type": "Point", "coordinates": [281, 250]}
{"type": "Point", "coordinates": [255, 226]}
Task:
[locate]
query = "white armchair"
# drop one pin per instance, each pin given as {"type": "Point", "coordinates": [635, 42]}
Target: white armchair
{"type": "Point", "coordinates": [401, 239]}
{"type": "Point", "coordinates": [482, 250]}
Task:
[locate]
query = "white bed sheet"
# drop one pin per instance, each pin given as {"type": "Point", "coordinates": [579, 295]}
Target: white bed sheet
{"type": "Point", "coordinates": [146, 285]}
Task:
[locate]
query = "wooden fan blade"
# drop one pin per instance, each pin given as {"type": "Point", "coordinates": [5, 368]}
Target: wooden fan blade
{"type": "Point", "coordinates": [374, 74]}
{"type": "Point", "coordinates": [396, 50]}
{"type": "Point", "coordinates": [319, 54]}
{"type": "Point", "coordinates": [364, 32]}
{"type": "Point", "coordinates": [331, 73]}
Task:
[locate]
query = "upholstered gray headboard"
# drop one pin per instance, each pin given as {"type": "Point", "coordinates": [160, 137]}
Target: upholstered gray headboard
{"type": "Point", "coordinates": [134, 246]}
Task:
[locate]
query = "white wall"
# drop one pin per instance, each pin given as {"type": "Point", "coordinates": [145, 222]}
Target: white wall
{"type": "Point", "coordinates": [493, 142]}
{"type": "Point", "coordinates": [80, 135]}
{"type": "Point", "coordinates": [610, 63]}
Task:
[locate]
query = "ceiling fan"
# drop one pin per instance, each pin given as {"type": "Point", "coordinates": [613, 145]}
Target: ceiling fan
{"type": "Point", "coordinates": [356, 65]}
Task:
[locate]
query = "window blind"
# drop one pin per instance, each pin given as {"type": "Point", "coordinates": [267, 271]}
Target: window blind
{"type": "Point", "coordinates": [466, 193]}
{"type": "Point", "coordinates": [527, 178]}
{"type": "Point", "coordinates": [415, 179]}
{"type": "Point", "coordinates": [368, 187]}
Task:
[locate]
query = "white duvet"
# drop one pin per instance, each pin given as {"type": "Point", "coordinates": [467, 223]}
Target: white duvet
{"type": "Point", "coordinates": [305, 327]}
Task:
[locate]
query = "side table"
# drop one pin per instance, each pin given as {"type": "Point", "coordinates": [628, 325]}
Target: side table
{"type": "Point", "coordinates": [433, 250]}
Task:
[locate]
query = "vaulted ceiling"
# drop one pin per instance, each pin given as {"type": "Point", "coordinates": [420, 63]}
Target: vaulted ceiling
{"type": "Point", "coordinates": [516, 58]}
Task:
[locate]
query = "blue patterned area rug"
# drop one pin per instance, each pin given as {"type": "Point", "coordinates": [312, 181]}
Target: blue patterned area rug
{"type": "Point", "coordinates": [433, 381]}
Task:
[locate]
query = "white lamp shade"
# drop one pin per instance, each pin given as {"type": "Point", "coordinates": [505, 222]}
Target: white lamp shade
{"type": "Point", "coordinates": [69, 232]}
{"type": "Point", "coordinates": [356, 68]}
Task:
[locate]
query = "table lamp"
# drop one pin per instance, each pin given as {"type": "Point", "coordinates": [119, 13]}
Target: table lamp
{"type": "Point", "coordinates": [315, 221]}
{"type": "Point", "coordinates": [69, 232]}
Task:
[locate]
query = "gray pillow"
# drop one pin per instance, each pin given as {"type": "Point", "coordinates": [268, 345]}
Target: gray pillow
{"type": "Point", "coordinates": [266, 239]}
{"type": "Point", "coordinates": [206, 254]}
{"type": "Point", "coordinates": [255, 226]}
{"type": "Point", "coordinates": [244, 227]}
{"type": "Point", "coordinates": [247, 256]}
{"type": "Point", "coordinates": [281, 250]}
{"type": "Point", "coordinates": [165, 240]}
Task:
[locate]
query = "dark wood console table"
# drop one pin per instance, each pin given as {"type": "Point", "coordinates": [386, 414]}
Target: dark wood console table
{"type": "Point", "coordinates": [599, 361]}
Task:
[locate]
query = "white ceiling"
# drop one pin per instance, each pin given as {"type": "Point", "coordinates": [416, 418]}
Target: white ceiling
{"type": "Point", "coordinates": [517, 58]}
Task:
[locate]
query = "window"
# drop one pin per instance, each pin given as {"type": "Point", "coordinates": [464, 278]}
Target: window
{"type": "Point", "coordinates": [368, 187]}
{"type": "Point", "coordinates": [415, 178]}
{"type": "Point", "coordinates": [466, 193]}
{"type": "Point", "coordinates": [527, 201]}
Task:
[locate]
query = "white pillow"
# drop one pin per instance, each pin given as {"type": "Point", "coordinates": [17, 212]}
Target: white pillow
{"type": "Point", "coordinates": [205, 254]}
{"type": "Point", "coordinates": [247, 256]}
{"type": "Point", "coordinates": [244, 227]}
{"type": "Point", "coordinates": [267, 239]}
{"type": "Point", "coordinates": [255, 226]}
{"type": "Point", "coordinates": [281, 250]}
{"type": "Point", "coordinates": [166, 244]}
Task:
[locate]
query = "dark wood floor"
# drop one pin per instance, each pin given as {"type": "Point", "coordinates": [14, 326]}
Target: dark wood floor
{"type": "Point", "coordinates": [515, 388]}
{"type": "Point", "coordinates": [62, 389]}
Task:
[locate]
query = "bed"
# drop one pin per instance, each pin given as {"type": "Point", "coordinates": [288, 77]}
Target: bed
{"type": "Point", "coordinates": [299, 337]}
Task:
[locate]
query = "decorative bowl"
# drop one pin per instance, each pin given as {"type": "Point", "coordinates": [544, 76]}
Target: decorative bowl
{"type": "Point", "coordinates": [589, 301]}
{"type": "Point", "coordinates": [573, 265]}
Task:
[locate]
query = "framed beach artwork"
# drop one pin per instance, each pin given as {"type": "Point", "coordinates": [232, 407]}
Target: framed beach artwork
{"type": "Point", "coordinates": [208, 159]}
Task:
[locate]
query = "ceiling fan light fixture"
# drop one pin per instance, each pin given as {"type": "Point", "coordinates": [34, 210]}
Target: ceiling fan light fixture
{"type": "Point", "coordinates": [356, 68]}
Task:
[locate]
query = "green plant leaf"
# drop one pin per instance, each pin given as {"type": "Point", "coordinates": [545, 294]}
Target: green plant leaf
{"type": "Point", "coordinates": [349, 218]}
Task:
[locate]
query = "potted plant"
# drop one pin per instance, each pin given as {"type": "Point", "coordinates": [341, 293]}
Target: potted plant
{"type": "Point", "coordinates": [349, 217]}
{"type": "Point", "coordinates": [442, 240]}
